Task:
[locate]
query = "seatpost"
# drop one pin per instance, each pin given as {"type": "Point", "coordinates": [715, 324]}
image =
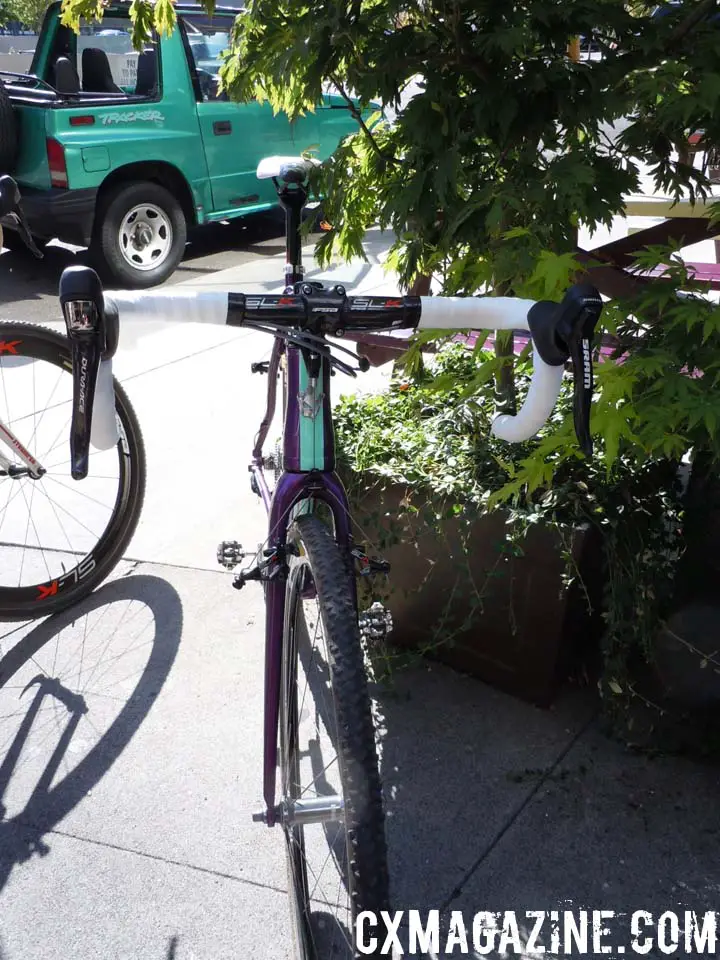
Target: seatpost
{"type": "Point", "coordinates": [293, 197]}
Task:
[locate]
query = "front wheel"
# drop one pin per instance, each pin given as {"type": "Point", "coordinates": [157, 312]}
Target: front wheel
{"type": "Point", "coordinates": [59, 538]}
{"type": "Point", "coordinates": [141, 234]}
{"type": "Point", "coordinates": [332, 807]}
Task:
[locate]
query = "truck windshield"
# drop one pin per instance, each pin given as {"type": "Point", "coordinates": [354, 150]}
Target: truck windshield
{"type": "Point", "coordinates": [207, 44]}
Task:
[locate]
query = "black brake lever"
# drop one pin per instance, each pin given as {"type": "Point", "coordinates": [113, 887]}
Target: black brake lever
{"type": "Point", "coordinates": [82, 302]}
{"type": "Point", "coordinates": [565, 331]}
{"type": "Point", "coordinates": [576, 326]}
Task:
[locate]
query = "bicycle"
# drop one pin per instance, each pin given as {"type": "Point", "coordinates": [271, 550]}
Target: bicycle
{"type": "Point", "coordinates": [309, 563]}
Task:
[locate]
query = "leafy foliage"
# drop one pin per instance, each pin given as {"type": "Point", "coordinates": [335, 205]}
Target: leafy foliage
{"type": "Point", "coordinates": [434, 438]}
{"type": "Point", "coordinates": [28, 12]}
{"type": "Point", "coordinates": [506, 132]}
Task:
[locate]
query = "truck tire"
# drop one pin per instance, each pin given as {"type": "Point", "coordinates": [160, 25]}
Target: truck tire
{"type": "Point", "coordinates": [140, 234]}
{"type": "Point", "coordinates": [8, 132]}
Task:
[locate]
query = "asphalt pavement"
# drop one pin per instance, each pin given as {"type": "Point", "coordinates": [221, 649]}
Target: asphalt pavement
{"type": "Point", "coordinates": [29, 286]}
{"type": "Point", "coordinates": [130, 727]}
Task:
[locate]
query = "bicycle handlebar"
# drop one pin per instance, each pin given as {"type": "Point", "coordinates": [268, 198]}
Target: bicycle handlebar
{"type": "Point", "coordinates": [560, 332]}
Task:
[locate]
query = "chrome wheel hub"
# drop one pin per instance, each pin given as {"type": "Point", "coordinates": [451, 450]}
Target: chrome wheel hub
{"type": "Point", "coordinates": [145, 236]}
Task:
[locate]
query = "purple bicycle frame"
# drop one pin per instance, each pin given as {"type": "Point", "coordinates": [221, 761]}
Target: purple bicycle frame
{"type": "Point", "coordinates": [293, 486]}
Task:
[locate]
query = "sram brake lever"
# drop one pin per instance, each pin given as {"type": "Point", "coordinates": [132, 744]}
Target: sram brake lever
{"type": "Point", "coordinates": [563, 331]}
{"type": "Point", "coordinates": [81, 298]}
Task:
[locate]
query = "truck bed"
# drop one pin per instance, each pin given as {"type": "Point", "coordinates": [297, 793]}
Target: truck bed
{"type": "Point", "coordinates": [29, 90]}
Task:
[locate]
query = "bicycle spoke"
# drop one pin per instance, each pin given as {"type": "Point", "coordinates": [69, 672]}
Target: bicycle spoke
{"type": "Point", "coordinates": [77, 490]}
{"type": "Point", "coordinates": [72, 517]}
{"type": "Point", "coordinates": [318, 775]}
{"type": "Point", "coordinates": [57, 517]}
{"type": "Point", "coordinates": [46, 407]}
{"type": "Point", "coordinates": [11, 497]}
{"type": "Point", "coordinates": [37, 535]}
{"type": "Point", "coordinates": [27, 528]}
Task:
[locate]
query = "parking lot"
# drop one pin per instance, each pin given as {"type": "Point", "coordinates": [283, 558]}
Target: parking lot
{"type": "Point", "coordinates": [29, 286]}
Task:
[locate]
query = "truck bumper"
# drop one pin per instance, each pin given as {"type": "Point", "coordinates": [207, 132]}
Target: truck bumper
{"type": "Point", "coordinates": [66, 214]}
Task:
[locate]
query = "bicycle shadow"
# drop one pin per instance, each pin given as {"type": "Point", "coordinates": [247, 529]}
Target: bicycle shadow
{"type": "Point", "coordinates": [149, 617]}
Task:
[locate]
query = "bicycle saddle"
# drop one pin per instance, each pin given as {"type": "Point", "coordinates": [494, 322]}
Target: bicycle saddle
{"type": "Point", "coordinates": [287, 169]}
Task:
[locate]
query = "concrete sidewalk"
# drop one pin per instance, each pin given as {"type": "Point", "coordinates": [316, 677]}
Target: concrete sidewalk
{"type": "Point", "coordinates": [130, 732]}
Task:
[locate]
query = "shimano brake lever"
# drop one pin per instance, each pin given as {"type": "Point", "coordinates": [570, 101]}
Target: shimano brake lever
{"type": "Point", "coordinates": [82, 304]}
{"type": "Point", "coordinates": [86, 353]}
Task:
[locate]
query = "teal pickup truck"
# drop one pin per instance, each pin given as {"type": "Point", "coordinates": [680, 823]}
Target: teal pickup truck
{"type": "Point", "coordinates": [122, 151]}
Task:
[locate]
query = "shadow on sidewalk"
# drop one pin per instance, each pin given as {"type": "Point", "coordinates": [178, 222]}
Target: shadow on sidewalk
{"type": "Point", "coordinates": [73, 692]}
{"type": "Point", "coordinates": [496, 805]}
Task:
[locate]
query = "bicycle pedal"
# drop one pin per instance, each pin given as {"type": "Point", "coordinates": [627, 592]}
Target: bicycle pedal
{"type": "Point", "coordinates": [369, 566]}
{"type": "Point", "coordinates": [230, 553]}
{"type": "Point", "coordinates": [263, 366]}
{"type": "Point", "coordinates": [375, 623]}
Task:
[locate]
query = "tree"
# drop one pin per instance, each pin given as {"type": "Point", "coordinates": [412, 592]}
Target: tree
{"type": "Point", "coordinates": [28, 12]}
{"type": "Point", "coordinates": [509, 145]}
{"type": "Point", "coordinates": [508, 134]}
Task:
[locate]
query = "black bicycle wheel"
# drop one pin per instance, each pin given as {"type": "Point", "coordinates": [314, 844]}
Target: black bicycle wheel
{"type": "Point", "coordinates": [59, 538]}
{"type": "Point", "coordinates": [333, 817]}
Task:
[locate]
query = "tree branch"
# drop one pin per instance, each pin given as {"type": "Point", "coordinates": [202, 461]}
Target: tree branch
{"type": "Point", "coordinates": [355, 113]}
{"type": "Point", "coordinates": [691, 21]}
{"type": "Point", "coordinates": [681, 31]}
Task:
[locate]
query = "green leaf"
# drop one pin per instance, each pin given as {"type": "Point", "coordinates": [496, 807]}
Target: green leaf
{"type": "Point", "coordinates": [164, 16]}
{"type": "Point", "coordinates": [553, 273]}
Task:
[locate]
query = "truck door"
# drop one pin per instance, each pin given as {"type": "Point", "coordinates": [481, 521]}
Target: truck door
{"type": "Point", "coordinates": [236, 136]}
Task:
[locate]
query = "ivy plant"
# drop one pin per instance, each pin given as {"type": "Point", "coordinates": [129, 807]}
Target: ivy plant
{"type": "Point", "coordinates": [429, 434]}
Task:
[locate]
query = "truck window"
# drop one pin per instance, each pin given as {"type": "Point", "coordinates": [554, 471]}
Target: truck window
{"type": "Point", "coordinates": [101, 60]}
{"type": "Point", "coordinates": [206, 43]}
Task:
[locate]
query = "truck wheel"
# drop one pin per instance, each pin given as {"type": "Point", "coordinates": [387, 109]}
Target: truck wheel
{"type": "Point", "coordinates": [140, 234]}
{"type": "Point", "coordinates": [8, 133]}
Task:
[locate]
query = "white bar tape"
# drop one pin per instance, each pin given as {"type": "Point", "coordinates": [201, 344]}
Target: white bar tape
{"type": "Point", "coordinates": [190, 306]}
{"type": "Point", "coordinates": [103, 430]}
{"type": "Point", "coordinates": [539, 402]}
{"type": "Point", "coordinates": [474, 313]}
{"type": "Point", "coordinates": [500, 313]}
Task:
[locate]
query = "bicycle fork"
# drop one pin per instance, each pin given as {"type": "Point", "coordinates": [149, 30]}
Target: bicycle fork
{"type": "Point", "coordinates": [270, 568]}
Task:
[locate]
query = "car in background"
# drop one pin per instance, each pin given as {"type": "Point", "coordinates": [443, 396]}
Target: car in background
{"type": "Point", "coordinates": [123, 151]}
